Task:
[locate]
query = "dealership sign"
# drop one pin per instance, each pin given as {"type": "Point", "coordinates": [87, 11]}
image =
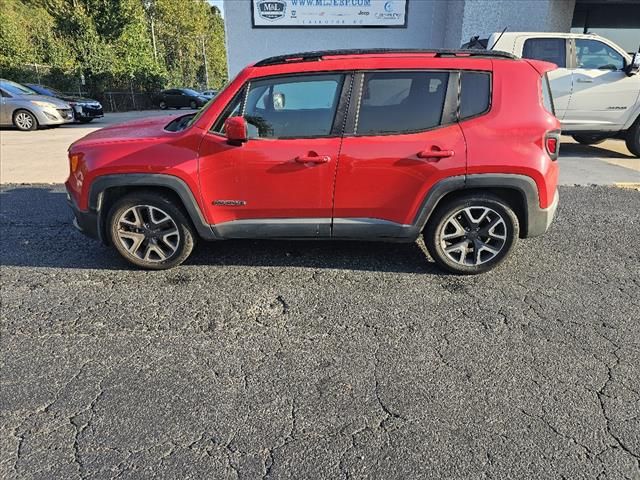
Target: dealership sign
{"type": "Point", "coordinates": [329, 13]}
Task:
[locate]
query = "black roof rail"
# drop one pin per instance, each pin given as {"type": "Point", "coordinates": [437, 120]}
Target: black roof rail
{"type": "Point", "coordinates": [319, 55]}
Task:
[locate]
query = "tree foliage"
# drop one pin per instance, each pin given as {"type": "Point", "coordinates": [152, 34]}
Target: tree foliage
{"type": "Point", "coordinates": [110, 43]}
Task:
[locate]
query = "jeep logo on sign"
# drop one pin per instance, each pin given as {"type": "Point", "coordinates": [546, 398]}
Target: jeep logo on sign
{"type": "Point", "coordinates": [271, 9]}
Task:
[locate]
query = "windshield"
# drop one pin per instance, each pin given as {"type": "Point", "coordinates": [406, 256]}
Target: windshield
{"type": "Point", "coordinates": [16, 88]}
{"type": "Point", "coordinates": [46, 90]}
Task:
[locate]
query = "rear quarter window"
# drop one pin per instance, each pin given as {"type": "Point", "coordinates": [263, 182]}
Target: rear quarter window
{"type": "Point", "coordinates": [547, 97]}
{"type": "Point", "coordinates": [475, 93]}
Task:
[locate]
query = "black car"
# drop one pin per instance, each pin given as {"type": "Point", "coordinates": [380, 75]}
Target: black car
{"type": "Point", "coordinates": [181, 97]}
{"type": "Point", "coordinates": [84, 109]}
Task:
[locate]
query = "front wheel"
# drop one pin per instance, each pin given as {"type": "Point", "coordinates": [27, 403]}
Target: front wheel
{"type": "Point", "coordinates": [85, 120]}
{"type": "Point", "coordinates": [163, 105]}
{"type": "Point", "coordinates": [150, 231]}
{"type": "Point", "coordinates": [471, 234]}
{"type": "Point", "coordinates": [589, 139]}
{"type": "Point", "coordinates": [25, 120]}
{"type": "Point", "coordinates": [633, 138]}
{"type": "Point", "coordinates": [193, 105]}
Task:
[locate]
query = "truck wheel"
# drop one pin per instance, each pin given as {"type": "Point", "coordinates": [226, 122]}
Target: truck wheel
{"type": "Point", "coordinates": [471, 234]}
{"type": "Point", "coordinates": [150, 231]}
{"type": "Point", "coordinates": [633, 138]}
{"type": "Point", "coordinates": [25, 120]}
{"type": "Point", "coordinates": [589, 139]}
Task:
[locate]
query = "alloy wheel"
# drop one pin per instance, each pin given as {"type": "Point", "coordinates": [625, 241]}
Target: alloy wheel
{"type": "Point", "coordinates": [148, 233]}
{"type": "Point", "coordinates": [24, 121]}
{"type": "Point", "coordinates": [473, 235]}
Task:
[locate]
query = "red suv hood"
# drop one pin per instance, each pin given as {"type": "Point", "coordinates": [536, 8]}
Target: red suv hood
{"type": "Point", "coordinates": [146, 128]}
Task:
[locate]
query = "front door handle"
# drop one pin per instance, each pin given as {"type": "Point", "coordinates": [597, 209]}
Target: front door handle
{"type": "Point", "coordinates": [435, 154]}
{"type": "Point", "coordinates": [311, 158]}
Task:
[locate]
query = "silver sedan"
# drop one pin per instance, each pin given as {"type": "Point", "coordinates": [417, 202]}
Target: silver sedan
{"type": "Point", "coordinates": [26, 110]}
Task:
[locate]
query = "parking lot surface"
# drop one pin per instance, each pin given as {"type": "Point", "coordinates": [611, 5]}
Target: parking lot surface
{"type": "Point", "coordinates": [321, 360]}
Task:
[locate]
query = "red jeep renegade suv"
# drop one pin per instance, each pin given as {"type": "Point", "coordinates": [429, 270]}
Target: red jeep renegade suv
{"type": "Point", "coordinates": [457, 146]}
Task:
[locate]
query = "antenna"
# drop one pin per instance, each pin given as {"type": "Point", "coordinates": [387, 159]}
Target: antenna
{"type": "Point", "coordinates": [497, 39]}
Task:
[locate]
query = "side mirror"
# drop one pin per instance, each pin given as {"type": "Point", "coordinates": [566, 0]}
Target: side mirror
{"type": "Point", "coordinates": [235, 128]}
{"type": "Point", "coordinates": [634, 66]}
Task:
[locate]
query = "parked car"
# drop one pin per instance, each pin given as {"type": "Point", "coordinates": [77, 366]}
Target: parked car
{"type": "Point", "coordinates": [209, 94]}
{"type": "Point", "coordinates": [85, 109]}
{"type": "Point", "coordinates": [181, 97]}
{"type": "Point", "coordinates": [458, 147]}
{"type": "Point", "coordinates": [26, 110]}
{"type": "Point", "coordinates": [596, 88]}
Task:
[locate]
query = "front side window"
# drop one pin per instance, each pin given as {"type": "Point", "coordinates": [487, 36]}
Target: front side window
{"type": "Point", "coordinates": [401, 102]}
{"type": "Point", "coordinates": [292, 107]}
{"type": "Point", "coordinates": [593, 54]}
{"type": "Point", "coordinates": [552, 50]}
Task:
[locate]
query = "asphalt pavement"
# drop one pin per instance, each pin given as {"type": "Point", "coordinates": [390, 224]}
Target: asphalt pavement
{"type": "Point", "coordinates": [320, 360]}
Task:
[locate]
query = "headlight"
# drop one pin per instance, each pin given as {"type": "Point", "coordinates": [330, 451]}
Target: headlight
{"type": "Point", "coordinates": [43, 104]}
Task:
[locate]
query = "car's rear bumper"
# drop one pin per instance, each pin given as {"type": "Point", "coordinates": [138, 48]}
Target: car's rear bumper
{"type": "Point", "coordinates": [540, 219]}
{"type": "Point", "coordinates": [85, 221]}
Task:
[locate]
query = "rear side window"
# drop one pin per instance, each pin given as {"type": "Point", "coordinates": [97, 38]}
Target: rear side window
{"type": "Point", "coordinates": [293, 107]}
{"type": "Point", "coordinates": [547, 98]}
{"type": "Point", "coordinates": [552, 50]}
{"type": "Point", "coordinates": [401, 102]}
{"type": "Point", "coordinates": [475, 93]}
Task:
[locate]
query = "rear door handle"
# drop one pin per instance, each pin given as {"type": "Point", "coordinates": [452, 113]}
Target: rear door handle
{"type": "Point", "coordinates": [435, 153]}
{"type": "Point", "coordinates": [583, 80]}
{"type": "Point", "coordinates": [313, 159]}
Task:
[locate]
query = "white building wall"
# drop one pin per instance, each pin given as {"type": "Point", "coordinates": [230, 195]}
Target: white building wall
{"type": "Point", "coordinates": [483, 17]}
{"type": "Point", "coordinates": [430, 24]}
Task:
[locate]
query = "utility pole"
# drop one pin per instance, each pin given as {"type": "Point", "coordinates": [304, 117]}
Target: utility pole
{"type": "Point", "coordinates": [151, 13]}
{"type": "Point", "coordinates": [206, 67]}
{"type": "Point", "coordinates": [153, 40]}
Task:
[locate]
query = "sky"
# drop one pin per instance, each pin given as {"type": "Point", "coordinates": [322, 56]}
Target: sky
{"type": "Point", "coordinates": [217, 3]}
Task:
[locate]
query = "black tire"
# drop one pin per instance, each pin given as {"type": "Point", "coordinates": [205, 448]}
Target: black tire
{"type": "Point", "coordinates": [632, 138]}
{"type": "Point", "coordinates": [589, 139]}
{"type": "Point", "coordinates": [184, 244]}
{"type": "Point", "coordinates": [24, 120]}
{"type": "Point", "coordinates": [85, 120]}
{"type": "Point", "coordinates": [163, 105]}
{"type": "Point", "coordinates": [439, 226]}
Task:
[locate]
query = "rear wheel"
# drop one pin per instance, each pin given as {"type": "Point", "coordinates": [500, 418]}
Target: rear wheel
{"type": "Point", "coordinates": [25, 120]}
{"type": "Point", "coordinates": [163, 105]}
{"type": "Point", "coordinates": [193, 105]}
{"type": "Point", "coordinates": [150, 231]}
{"type": "Point", "coordinates": [471, 234]}
{"type": "Point", "coordinates": [589, 139]}
{"type": "Point", "coordinates": [633, 138]}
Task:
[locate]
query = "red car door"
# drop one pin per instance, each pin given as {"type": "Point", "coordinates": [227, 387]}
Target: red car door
{"type": "Point", "coordinates": [403, 139]}
{"type": "Point", "coordinates": [280, 182]}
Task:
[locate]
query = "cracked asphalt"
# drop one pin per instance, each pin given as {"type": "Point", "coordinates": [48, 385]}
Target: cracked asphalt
{"type": "Point", "coordinates": [321, 360]}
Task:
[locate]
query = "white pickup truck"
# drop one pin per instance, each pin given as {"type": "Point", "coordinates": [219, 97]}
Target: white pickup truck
{"type": "Point", "coordinates": [596, 88]}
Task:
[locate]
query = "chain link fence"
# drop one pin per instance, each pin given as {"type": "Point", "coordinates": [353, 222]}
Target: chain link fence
{"type": "Point", "coordinates": [111, 100]}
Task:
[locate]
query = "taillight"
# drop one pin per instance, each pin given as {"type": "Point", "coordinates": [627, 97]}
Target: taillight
{"type": "Point", "coordinates": [552, 143]}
